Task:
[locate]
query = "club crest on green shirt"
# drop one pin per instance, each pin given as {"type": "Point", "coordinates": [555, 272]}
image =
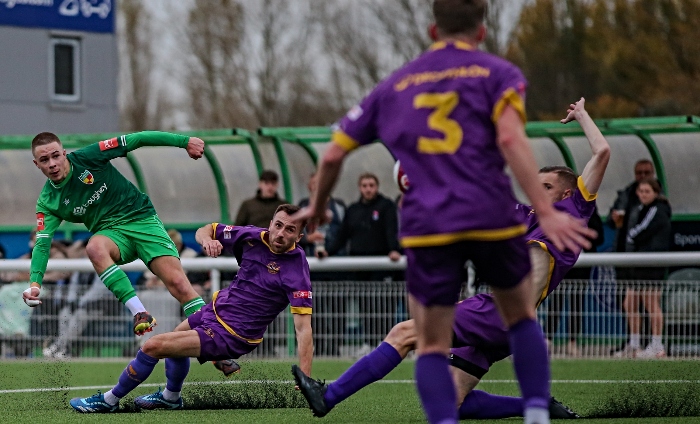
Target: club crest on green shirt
{"type": "Point", "coordinates": [86, 177]}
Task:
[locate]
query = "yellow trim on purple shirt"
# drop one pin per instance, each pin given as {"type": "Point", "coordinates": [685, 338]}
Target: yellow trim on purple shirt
{"type": "Point", "coordinates": [584, 191]}
{"type": "Point", "coordinates": [213, 227]}
{"type": "Point", "coordinates": [543, 296]}
{"type": "Point", "coordinates": [430, 240]}
{"type": "Point", "coordinates": [301, 310]}
{"type": "Point", "coordinates": [510, 97]}
{"type": "Point", "coordinates": [458, 44]}
{"type": "Point", "coordinates": [343, 140]}
{"type": "Point", "coordinates": [227, 327]}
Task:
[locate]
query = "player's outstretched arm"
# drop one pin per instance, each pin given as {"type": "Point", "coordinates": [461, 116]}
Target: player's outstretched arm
{"type": "Point", "coordinates": [594, 170]}
{"type": "Point", "coordinates": [302, 327]}
{"type": "Point", "coordinates": [563, 230]}
{"type": "Point", "coordinates": [193, 145]}
{"type": "Point", "coordinates": [205, 237]}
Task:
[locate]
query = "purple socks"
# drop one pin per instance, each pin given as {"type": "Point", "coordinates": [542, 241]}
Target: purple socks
{"type": "Point", "coordinates": [530, 362]}
{"type": "Point", "coordinates": [482, 405]}
{"type": "Point", "coordinates": [435, 388]}
{"type": "Point", "coordinates": [367, 370]}
{"type": "Point", "coordinates": [134, 374]}
{"type": "Point", "coordinates": [176, 369]}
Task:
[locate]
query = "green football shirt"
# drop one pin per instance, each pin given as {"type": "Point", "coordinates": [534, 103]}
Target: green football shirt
{"type": "Point", "coordinates": [94, 192]}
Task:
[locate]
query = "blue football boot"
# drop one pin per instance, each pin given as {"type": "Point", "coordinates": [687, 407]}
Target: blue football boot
{"type": "Point", "coordinates": [93, 404]}
{"type": "Point", "coordinates": [157, 401]}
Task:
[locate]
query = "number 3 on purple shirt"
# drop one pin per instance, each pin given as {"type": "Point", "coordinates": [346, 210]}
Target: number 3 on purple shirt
{"type": "Point", "coordinates": [443, 104]}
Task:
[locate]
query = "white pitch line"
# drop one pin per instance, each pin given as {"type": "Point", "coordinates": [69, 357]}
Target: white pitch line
{"type": "Point", "coordinates": [217, 383]}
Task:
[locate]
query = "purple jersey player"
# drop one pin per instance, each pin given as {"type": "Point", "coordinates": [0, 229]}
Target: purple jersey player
{"type": "Point", "coordinates": [273, 274]}
{"type": "Point", "coordinates": [455, 117]}
{"type": "Point", "coordinates": [480, 335]}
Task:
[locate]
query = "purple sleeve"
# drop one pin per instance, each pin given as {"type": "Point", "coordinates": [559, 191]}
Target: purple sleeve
{"type": "Point", "coordinates": [358, 127]}
{"type": "Point", "coordinates": [230, 235]}
{"type": "Point", "coordinates": [509, 89]}
{"type": "Point", "coordinates": [299, 291]}
{"type": "Point", "coordinates": [584, 207]}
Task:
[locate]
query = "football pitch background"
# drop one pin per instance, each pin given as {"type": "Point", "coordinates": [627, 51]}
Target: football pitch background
{"type": "Point", "coordinates": [602, 391]}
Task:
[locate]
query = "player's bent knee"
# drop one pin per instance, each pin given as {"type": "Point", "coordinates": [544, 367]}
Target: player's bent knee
{"type": "Point", "coordinates": [402, 335]}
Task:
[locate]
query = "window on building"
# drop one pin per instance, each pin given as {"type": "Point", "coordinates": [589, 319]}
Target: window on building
{"type": "Point", "coordinates": [64, 61]}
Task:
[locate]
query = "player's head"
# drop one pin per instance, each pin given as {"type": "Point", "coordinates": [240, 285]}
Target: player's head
{"type": "Point", "coordinates": [643, 169]}
{"type": "Point", "coordinates": [369, 186]}
{"type": "Point", "coordinates": [459, 18]}
{"type": "Point", "coordinates": [559, 182]}
{"type": "Point", "coordinates": [50, 156]}
{"type": "Point", "coordinates": [268, 184]}
{"type": "Point", "coordinates": [284, 232]}
{"type": "Point", "coordinates": [648, 190]}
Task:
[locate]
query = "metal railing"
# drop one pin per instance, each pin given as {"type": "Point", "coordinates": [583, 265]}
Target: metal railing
{"type": "Point", "coordinates": [582, 318]}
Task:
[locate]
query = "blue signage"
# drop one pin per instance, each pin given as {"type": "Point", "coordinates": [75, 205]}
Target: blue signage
{"type": "Point", "coordinates": [78, 15]}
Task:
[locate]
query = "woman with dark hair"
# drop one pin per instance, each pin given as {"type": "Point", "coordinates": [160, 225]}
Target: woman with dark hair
{"type": "Point", "coordinates": [649, 231]}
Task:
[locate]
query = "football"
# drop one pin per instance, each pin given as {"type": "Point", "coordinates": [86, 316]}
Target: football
{"type": "Point", "coordinates": [400, 177]}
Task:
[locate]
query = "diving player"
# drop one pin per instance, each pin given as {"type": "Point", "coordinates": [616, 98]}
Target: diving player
{"type": "Point", "coordinates": [273, 273]}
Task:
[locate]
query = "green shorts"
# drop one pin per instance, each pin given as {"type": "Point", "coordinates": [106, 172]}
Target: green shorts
{"type": "Point", "coordinates": [144, 239]}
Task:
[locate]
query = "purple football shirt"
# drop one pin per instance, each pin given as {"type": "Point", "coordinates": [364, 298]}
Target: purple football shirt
{"type": "Point", "coordinates": [265, 284]}
{"type": "Point", "coordinates": [581, 204]}
{"type": "Point", "coordinates": [437, 116]}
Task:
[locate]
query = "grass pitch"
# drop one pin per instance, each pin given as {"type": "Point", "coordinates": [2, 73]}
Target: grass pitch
{"type": "Point", "coordinates": [602, 391]}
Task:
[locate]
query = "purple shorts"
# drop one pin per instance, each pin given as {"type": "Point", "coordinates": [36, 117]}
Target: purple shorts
{"type": "Point", "coordinates": [434, 275]}
{"type": "Point", "coordinates": [480, 337]}
{"type": "Point", "coordinates": [216, 343]}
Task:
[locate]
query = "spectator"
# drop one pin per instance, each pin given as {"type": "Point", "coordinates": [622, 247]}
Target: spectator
{"type": "Point", "coordinates": [627, 201]}
{"type": "Point", "coordinates": [370, 224]}
{"type": "Point", "coordinates": [648, 230]}
{"type": "Point", "coordinates": [259, 210]}
{"type": "Point", "coordinates": [572, 293]}
{"type": "Point", "coordinates": [326, 234]}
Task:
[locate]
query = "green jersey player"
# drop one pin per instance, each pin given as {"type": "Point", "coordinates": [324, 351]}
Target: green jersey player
{"type": "Point", "coordinates": [84, 187]}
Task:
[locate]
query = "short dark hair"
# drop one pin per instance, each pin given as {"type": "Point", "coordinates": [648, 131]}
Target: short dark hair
{"type": "Point", "coordinates": [653, 183]}
{"type": "Point", "coordinates": [564, 173]}
{"type": "Point", "coordinates": [290, 209]}
{"type": "Point", "coordinates": [367, 175]}
{"type": "Point", "coordinates": [45, 138]}
{"type": "Point", "coordinates": [458, 16]}
{"type": "Point", "coordinates": [269, 176]}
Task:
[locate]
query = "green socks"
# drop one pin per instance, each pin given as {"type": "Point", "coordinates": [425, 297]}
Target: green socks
{"type": "Point", "coordinates": [193, 306]}
{"type": "Point", "coordinates": [118, 283]}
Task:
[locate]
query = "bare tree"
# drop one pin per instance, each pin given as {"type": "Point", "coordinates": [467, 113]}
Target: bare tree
{"type": "Point", "coordinates": [142, 104]}
{"type": "Point", "coordinates": [214, 34]}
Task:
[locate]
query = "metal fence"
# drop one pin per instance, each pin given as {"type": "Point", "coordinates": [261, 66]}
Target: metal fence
{"type": "Point", "coordinates": [582, 318]}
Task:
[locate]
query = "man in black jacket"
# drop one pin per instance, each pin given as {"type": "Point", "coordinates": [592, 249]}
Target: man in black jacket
{"type": "Point", "coordinates": [370, 225]}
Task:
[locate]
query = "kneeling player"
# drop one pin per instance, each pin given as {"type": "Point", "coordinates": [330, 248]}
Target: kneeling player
{"type": "Point", "coordinates": [480, 336]}
{"type": "Point", "coordinates": [274, 273]}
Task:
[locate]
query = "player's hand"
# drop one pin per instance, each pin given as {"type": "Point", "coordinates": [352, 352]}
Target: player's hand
{"type": "Point", "coordinates": [574, 111]}
{"type": "Point", "coordinates": [315, 217]}
{"type": "Point", "coordinates": [195, 147]}
{"type": "Point", "coordinates": [212, 248]}
{"type": "Point", "coordinates": [31, 296]}
{"type": "Point", "coordinates": [394, 256]}
{"type": "Point", "coordinates": [566, 232]}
